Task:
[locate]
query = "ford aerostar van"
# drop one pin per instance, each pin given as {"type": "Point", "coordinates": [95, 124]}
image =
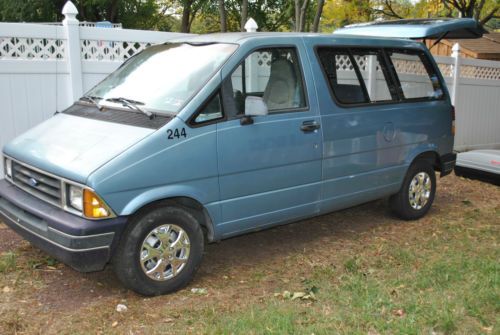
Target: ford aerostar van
{"type": "Point", "coordinates": [208, 137]}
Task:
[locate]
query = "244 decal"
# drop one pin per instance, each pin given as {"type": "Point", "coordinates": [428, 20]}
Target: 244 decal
{"type": "Point", "coordinates": [176, 133]}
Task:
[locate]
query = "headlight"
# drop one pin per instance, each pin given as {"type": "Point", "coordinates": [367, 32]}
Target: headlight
{"type": "Point", "coordinates": [87, 202]}
{"type": "Point", "coordinates": [75, 197]}
{"type": "Point", "coordinates": [8, 167]}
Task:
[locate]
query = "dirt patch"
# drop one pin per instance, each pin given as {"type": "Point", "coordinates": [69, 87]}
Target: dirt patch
{"type": "Point", "coordinates": [9, 240]}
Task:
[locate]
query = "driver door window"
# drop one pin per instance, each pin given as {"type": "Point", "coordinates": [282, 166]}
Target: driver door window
{"type": "Point", "coordinates": [272, 74]}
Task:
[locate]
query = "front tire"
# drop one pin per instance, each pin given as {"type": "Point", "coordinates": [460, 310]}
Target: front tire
{"type": "Point", "coordinates": [160, 251]}
{"type": "Point", "coordinates": [416, 195]}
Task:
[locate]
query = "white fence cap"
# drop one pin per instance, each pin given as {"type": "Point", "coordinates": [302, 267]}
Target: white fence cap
{"type": "Point", "coordinates": [251, 26]}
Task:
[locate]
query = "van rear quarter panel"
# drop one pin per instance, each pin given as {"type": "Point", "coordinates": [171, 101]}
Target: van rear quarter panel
{"type": "Point", "coordinates": [367, 149]}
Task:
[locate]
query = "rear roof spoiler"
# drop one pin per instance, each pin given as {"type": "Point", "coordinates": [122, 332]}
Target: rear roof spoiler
{"type": "Point", "coordinates": [417, 29]}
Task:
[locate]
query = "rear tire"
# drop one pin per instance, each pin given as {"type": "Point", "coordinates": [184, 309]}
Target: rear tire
{"type": "Point", "coordinates": [416, 195]}
{"type": "Point", "coordinates": [160, 251]}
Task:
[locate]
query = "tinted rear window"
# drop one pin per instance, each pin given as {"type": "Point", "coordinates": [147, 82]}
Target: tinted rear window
{"type": "Point", "coordinates": [356, 76]}
{"type": "Point", "coordinates": [377, 75]}
{"type": "Point", "coordinates": [339, 68]}
{"type": "Point", "coordinates": [416, 75]}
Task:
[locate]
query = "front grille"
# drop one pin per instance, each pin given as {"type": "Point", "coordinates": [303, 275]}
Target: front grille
{"type": "Point", "coordinates": [37, 183]}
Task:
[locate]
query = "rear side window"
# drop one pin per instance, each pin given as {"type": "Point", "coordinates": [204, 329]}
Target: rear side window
{"type": "Point", "coordinates": [342, 76]}
{"type": "Point", "coordinates": [374, 74]}
{"type": "Point", "coordinates": [356, 76]}
{"type": "Point", "coordinates": [416, 76]}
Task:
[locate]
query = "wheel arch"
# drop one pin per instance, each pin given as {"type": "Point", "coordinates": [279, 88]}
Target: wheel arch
{"type": "Point", "coordinates": [190, 204]}
{"type": "Point", "coordinates": [427, 152]}
{"type": "Point", "coordinates": [432, 157]}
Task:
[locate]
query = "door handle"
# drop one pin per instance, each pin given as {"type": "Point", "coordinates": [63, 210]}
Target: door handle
{"type": "Point", "coordinates": [308, 126]}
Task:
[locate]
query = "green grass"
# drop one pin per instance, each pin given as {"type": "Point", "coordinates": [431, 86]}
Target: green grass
{"type": "Point", "coordinates": [7, 262]}
{"type": "Point", "coordinates": [445, 294]}
{"type": "Point", "coordinates": [448, 286]}
{"type": "Point", "coordinates": [41, 261]}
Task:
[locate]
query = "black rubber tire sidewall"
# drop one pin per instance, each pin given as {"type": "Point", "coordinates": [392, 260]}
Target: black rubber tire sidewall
{"type": "Point", "coordinates": [126, 263]}
{"type": "Point", "coordinates": [400, 202]}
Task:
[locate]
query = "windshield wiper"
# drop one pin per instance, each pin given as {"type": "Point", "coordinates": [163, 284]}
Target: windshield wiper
{"type": "Point", "coordinates": [92, 99]}
{"type": "Point", "coordinates": [132, 104]}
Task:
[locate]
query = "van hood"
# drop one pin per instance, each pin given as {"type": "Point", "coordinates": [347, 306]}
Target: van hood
{"type": "Point", "coordinates": [73, 147]}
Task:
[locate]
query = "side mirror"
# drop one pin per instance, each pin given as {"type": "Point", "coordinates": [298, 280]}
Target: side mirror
{"type": "Point", "coordinates": [255, 106]}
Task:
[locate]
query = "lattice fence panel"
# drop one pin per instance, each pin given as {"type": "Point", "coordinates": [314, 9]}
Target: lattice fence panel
{"type": "Point", "coordinates": [31, 48]}
{"type": "Point", "coordinates": [109, 50]}
{"type": "Point", "coordinates": [362, 62]}
{"type": "Point", "coordinates": [446, 69]}
{"type": "Point", "coordinates": [409, 67]}
{"type": "Point", "coordinates": [264, 59]}
{"type": "Point", "coordinates": [343, 63]}
{"type": "Point", "coordinates": [479, 72]}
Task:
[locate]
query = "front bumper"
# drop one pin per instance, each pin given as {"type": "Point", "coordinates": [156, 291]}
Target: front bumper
{"type": "Point", "coordinates": [85, 245]}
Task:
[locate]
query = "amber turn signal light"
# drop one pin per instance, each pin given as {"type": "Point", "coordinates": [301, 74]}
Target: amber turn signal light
{"type": "Point", "coordinates": [93, 206]}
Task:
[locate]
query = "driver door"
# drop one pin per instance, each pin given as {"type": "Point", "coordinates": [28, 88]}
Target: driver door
{"type": "Point", "coordinates": [269, 169]}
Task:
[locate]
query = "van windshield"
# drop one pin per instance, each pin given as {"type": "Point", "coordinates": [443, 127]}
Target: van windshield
{"type": "Point", "coordinates": [164, 77]}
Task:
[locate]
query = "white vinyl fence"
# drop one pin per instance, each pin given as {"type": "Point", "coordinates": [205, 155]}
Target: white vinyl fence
{"type": "Point", "coordinates": [475, 89]}
{"type": "Point", "coordinates": [45, 68]}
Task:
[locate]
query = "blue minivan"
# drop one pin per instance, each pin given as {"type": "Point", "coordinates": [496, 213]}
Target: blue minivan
{"type": "Point", "coordinates": [207, 137]}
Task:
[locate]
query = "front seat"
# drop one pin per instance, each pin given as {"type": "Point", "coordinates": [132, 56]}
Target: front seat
{"type": "Point", "coordinates": [281, 87]}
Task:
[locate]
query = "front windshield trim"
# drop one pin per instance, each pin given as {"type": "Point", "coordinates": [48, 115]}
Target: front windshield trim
{"type": "Point", "coordinates": [104, 103]}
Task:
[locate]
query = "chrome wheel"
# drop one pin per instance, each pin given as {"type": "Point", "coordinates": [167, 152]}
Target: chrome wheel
{"type": "Point", "coordinates": [420, 190]}
{"type": "Point", "coordinates": [165, 252]}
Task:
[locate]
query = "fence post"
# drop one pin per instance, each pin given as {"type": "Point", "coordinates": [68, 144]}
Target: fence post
{"type": "Point", "coordinates": [73, 54]}
{"type": "Point", "coordinates": [456, 72]}
{"type": "Point", "coordinates": [251, 26]}
{"type": "Point", "coordinates": [372, 74]}
{"type": "Point", "coordinates": [251, 65]}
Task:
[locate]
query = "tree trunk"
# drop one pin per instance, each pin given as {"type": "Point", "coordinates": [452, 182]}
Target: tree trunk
{"type": "Point", "coordinates": [479, 9]}
{"type": "Point", "coordinates": [222, 14]}
{"type": "Point", "coordinates": [112, 11]}
{"type": "Point", "coordinates": [319, 11]}
{"type": "Point", "coordinates": [297, 15]}
{"type": "Point", "coordinates": [303, 15]}
{"type": "Point", "coordinates": [244, 14]}
{"type": "Point", "coordinates": [185, 21]}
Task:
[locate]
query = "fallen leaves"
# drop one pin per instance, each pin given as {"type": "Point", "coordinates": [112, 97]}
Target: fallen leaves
{"type": "Point", "coordinates": [199, 291]}
{"type": "Point", "coordinates": [120, 308]}
{"type": "Point", "coordinates": [287, 295]}
{"type": "Point", "coordinates": [487, 330]}
{"type": "Point", "coordinates": [399, 312]}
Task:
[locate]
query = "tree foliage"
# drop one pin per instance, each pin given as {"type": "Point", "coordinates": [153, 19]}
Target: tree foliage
{"type": "Point", "coordinates": [140, 14]}
{"type": "Point", "coordinates": [338, 13]}
{"type": "Point", "coordinates": [204, 16]}
{"type": "Point", "coordinates": [481, 10]}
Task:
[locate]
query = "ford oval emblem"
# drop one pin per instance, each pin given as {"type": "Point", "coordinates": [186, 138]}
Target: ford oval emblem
{"type": "Point", "coordinates": [33, 182]}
